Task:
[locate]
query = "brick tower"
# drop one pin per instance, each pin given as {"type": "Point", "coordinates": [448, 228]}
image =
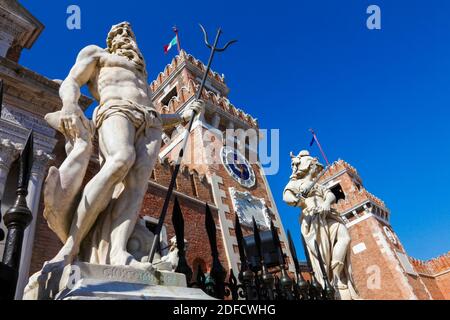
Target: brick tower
{"type": "Point", "coordinates": [381, 266]}
{"type": "Point", "coordinates": [237, 188]}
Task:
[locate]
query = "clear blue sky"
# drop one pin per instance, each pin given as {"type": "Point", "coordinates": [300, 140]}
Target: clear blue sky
{"type": "Point", "coordinates": [378, 99]}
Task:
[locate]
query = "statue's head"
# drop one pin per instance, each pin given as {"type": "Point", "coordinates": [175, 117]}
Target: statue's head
{"type": "Point", "coordinates": [122, 41]}
{"type": "Point", "coordinates": [303, 164]}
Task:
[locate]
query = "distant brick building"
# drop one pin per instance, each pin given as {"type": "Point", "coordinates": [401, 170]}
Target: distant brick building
{"type": "Point", "coordinates": [382, 268]}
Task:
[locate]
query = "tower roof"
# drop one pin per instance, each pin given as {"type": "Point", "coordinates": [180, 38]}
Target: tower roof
{"type": "Point", "coordinates": [215, 92]}
{"type": "Point", "coordinates": [185, 59]}
{"type": "Point", "coordinates": [344, 174]}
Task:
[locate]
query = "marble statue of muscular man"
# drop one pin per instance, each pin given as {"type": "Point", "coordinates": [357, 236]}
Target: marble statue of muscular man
{"type": "Point", "coordinates": [129, 133]}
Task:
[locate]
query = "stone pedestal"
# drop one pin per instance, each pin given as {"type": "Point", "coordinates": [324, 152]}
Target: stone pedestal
{"type": "Point", "coordinates": [83, 281]}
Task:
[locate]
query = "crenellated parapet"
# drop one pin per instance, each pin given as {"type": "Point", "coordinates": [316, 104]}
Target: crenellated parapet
{"type": "Point", "coordinates": [353, 200]}
{"type": "Point", "coordinates": [176, 62]}
{"type": "Point", "coordinates": [338, 167]}
{"type": "Point", "coordinates": [187, 92]}
{"type": "Point", "coordinates": [432, 267]}
{"type": "Point", "coordinates": [356, 198]}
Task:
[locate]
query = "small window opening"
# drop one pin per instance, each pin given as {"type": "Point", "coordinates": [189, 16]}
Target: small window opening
{"type": "Point", "coordinates": [172, 93]}
{"type": "Point", "coordinates": [338, 192]}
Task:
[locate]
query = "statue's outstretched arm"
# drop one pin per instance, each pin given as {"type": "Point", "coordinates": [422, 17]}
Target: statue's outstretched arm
{"type": "Point", "coordinates": [172, 120]}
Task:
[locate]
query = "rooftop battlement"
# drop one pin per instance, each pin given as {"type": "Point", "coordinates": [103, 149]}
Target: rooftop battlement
{"type": "Point", "coordinates": [171, 95]}
{"type": "Point", "coordinates": [338, 167]}
{"type": "Point", "coordinates": [177, 61]}
{"type": "Point", "coordinates": [434, 266]}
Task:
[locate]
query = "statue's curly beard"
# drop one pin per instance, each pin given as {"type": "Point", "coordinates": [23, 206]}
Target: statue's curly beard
{"type": "Point", "coordinates": [130, 51]}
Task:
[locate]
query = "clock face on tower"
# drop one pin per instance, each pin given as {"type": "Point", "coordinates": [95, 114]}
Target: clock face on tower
{"type": "Point", "coordinates": [238, 167]}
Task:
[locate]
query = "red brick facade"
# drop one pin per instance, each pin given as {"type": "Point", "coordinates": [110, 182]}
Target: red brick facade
{"type": "Point", "coordinates": [435, 273]}
{"type": "Point", "coordinates": [381, 267]}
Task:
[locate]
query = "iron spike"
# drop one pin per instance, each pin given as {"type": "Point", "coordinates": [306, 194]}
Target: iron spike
{"type": "Point", "coordinates": [327, 290]}
{"type": "Point", "coordinates": [1, 96]}
{"type": "Point", "coordinates": [26, 162]}
{"type": "Point", "coordinates": [240, 242]}
{"type": "Point", "coordinates": [178, 224]}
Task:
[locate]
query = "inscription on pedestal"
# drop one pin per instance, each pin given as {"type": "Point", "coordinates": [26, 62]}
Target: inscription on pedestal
{"type": "Point", "coordinates": [124, 275]}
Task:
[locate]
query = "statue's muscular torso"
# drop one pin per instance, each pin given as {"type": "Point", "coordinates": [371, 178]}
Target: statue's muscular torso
{"type": "Point", "coordinates": [116, 78]}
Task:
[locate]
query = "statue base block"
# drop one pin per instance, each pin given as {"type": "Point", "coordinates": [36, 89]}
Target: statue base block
{"type": "Point", "coordinates": [84, 281]}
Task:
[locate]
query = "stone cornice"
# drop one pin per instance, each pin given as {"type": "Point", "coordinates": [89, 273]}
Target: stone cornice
{"type": "Point", "coordinates": [9, 152]}
{"type": "Point", "coordinates": [17, 134]}
{"type": "Point", "coordinates": [41, 160]}
{"type": "Point", "coordinates": [32, 88]}
{"type": "Point", "coordinates": [23, 25]}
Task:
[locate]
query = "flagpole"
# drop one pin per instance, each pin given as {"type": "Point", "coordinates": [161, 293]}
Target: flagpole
{"type": "Point", "coordinates": [320, 147]}
{"type": "Point", "coordinates": [175, 29]}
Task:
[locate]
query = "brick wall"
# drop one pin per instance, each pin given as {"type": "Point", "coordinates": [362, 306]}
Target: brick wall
{"type": "Point", "coordinates": [195, 231]}
{"type": "Point", "coordinates": [374, 263]}
{"type": "Point", "coordinates": [435, 274]}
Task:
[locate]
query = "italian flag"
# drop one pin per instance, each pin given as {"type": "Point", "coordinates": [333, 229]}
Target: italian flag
{"type": "Point", "coordinates": [172, 43]}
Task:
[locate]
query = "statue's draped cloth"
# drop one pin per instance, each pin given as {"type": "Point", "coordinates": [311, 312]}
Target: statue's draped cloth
{"type": "Point", "coordinates": [323, 229]}
{"type": "Point", "coordinates": [142, 117]}
{"type": "Point", "coordinates": [63, 186]}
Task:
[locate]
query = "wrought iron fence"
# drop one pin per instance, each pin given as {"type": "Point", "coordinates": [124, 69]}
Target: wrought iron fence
{"type": "Point", "coordinates": [252, 282]}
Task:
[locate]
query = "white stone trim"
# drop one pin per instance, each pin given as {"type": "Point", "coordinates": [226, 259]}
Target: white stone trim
{"type": "Point", "coordinates": [358, 248]}
{"type": "Point", "coordinates": [225, 224]}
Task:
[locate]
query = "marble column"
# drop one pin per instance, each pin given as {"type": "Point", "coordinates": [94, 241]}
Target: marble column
{"type": "Point", "coordinates": [38, 171]}
{"type": "Point", "coordinates": [9, 152]}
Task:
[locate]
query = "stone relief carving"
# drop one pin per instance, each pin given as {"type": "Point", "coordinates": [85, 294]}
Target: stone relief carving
{"type": "Point", "coordinates": [247, 206]}
{"type": "Point", "coordinates": [9, 152]}
{"type": "Point", "coordinates": [26, 120]}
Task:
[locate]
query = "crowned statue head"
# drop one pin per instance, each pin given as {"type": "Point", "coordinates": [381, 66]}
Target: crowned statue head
{"type": "Point", "coordinates": [122, 41]}
{"type": "Point", "coordinates": [304, 164]}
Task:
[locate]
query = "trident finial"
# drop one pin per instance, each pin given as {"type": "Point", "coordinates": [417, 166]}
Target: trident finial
{"type": "Point", "coordinates": [219, 32]}
{"type": "Point", "coordinates": [214, 49]}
